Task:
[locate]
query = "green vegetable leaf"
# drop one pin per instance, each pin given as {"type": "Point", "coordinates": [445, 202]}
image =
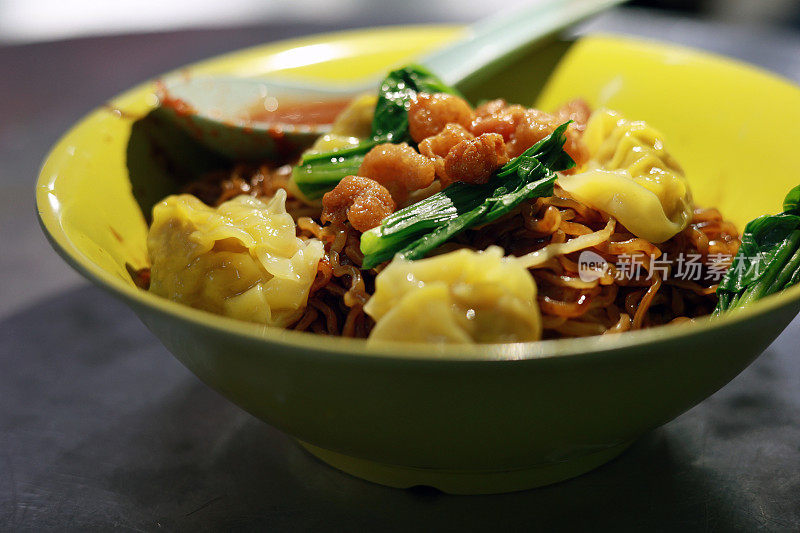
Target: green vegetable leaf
{"type": "Point", "coordinates": [768, 259]}
{"type": "Point", "coordinates": [791, 204]}
{"type": "Point", "coordinates": [403, 227]}
{"type": "Point", "coordinates": [394, 97]}
{"type": "Point", "coordinates": [504, 199]}
{"type": "Point", "coordinates": [315, 178]}
{"type": "Point", "coordinates": [419, 228]}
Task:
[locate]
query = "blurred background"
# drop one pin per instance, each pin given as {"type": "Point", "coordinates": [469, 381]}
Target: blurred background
{"type": "Point", "coordinates": [25, 21]}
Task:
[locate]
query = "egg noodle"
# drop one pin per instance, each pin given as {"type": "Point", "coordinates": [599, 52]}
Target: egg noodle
{"type": "Point", "coordinates": [548, 234]}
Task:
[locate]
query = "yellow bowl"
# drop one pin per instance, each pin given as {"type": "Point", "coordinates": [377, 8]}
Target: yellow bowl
{"type": "Point", "coordinates": [465, 419]}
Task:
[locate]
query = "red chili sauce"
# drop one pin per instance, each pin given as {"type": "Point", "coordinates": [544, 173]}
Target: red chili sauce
{"type": "Point", "coordinates": [288, 111]}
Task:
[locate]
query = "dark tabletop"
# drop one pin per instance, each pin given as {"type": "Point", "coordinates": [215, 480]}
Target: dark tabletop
{"type": "Point", "coordinates": [101, 428]}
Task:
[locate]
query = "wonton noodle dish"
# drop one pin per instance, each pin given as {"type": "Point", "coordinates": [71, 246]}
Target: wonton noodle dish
{"type": "Point", "coordinates": [420, 218]}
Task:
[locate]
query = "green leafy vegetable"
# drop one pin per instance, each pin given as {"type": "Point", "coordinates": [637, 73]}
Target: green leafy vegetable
{"type": "Point", "coordinates": [395, 95]}
{"type": "Point", "coordinates": [319, 173]}
{"type": "Point", "coordinates": [768, 260]}
{"type": "Point", "coordinates": [791, 204]}
{"type": "Point", "coordinates": [315, 178]}
{"type": "Point", "coordinates": [419, 228]}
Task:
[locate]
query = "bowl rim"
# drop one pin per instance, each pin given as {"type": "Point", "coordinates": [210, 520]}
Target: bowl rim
{"type": "Point", "coordinates": [49, 220]}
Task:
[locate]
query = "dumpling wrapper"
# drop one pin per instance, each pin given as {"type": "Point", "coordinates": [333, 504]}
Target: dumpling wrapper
{"type": "Point", "coordinates": [241, 259]}
{"type": "Point", "coordinates": [458, 297]}
{"type": "Point", "coordinates": [632, 177]}
{"type": "Point", "coordinates": [353, 125]}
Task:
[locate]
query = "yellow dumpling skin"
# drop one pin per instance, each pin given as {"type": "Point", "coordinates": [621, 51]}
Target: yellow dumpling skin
{"type": "Point", "coordinates": [241, 259]}
{"type": "Point", "coordinates": [458, 297]}
{"type": "Point", "coordinates": [632, 177]}
{"type": "Point", "coordinates": [351, 126]}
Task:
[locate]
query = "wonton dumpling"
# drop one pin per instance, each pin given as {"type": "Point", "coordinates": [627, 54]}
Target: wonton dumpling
{"type": "Point", "coordinates": [632, 177]}
{"type": "Point", "coordinates": [242, 259]}
{"type": "Point", "coordinates": [351, 126]}
{"type": "Point", "coordinates": [457, 297]}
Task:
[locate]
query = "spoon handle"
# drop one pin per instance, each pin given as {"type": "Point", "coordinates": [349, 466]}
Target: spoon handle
{"type": "Point", "coordinates": [495, 41]}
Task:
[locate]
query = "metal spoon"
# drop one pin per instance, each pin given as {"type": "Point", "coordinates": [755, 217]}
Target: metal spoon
{"type": "Point", "coordinates": [217, 110]}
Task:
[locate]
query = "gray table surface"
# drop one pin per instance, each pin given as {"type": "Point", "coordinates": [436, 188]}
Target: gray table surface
{"type": "Point", "coordinates": [101, 428]}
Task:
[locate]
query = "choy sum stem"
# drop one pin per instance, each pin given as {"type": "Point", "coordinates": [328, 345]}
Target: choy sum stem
{"type": "Point", "coordinates": [768, 260]}
{"type": "Point", "coordinates": [777, 273]}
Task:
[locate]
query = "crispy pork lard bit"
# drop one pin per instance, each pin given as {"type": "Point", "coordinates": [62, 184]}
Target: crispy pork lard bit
{"type": "Point", "coordinates": [399, 168]}
{"type": "Point", "coordinates": [438, 146]}
{"type": "Point", "coordinates": [362, 201]}
{"type": "Point", "coordinates": [475, 160]}
{"type": "Point", "coordinates": [241, 259]}
{"type": "Point", "coordinates": [577, 110]}
{"type": "Point", "coordinates": [631, 176]}
{"type": "Point", "coordinates": [521, 127]}
{"type": "Point", "coordinates": [465, 297]}
{"type": "Point", "coordinates": [497, 117]}
{"type": "Point", "coordinates": [535, 125]}
{"type": "Point", "coordinates": [428, 114]}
